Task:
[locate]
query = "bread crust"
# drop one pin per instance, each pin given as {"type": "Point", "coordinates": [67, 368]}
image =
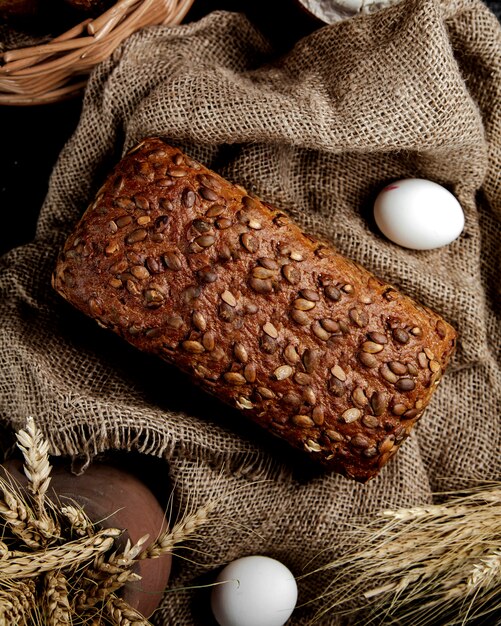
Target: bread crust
{"type": "Point", "coordinates": [305, 342]}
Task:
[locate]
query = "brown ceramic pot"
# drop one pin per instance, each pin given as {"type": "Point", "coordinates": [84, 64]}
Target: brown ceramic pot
{"type": "Point", "coordinates": [114, 498]}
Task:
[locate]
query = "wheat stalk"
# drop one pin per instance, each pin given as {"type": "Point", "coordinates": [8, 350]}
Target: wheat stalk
{"type": "Point", "coordinates": [58, 611]}
{"type": "Point", "coordinates": [71, 554]}
{"type": "Point", "coordinates": [423, 565]}
{"type": "Point", "coordinates": [16, 603]}
{"type": "Point", "coordinates": [54, 578]}
{"type": "Point", "coordinates": [93, 592]}
{"type": "Point", "coordinates": [108, 574]}
{"type": "Point", "coordinates": [37, 469]}
{"type": "Point", "coordinates": [17, 516]}
{"type": "Point", "coordinates": [114, 572]}
{"type": "Point", "coordinates": [181, 531]}
{"type": "Point", "coordinates": [129, 554]}
{"type": "Point", "coordinates": [122, 614]}
{"type": "Point", "coordinates": [486, 573]}
{"type": "Point", "coordinates": [80, 523]}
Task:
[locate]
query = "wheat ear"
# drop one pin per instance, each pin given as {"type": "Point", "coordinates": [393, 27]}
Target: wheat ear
{"type": "Point", "coordinates": [181, 531]}
{"type": "Point", "coordinates": [58, 611]}
{"type": "Point", "coordinates": [108, 574]}
{"type": "Point", "coordinates": [486, 573]}
{"type": "Point", "coordinates": [16, 603]}
{"type": "Point", "coordinates": [16, 514]}
{"type": "Point", "coordinates": [122, 614]}
{"type": "Point", "coordinates": [80, 577]}
{"type": "Point", "coordinates": [35, 450]}
{"type": "Point", "coordinates": [36, 460]}
{"type": "Point", "coordinates": [423, 565]}
{"type": "Point", "coordinates": [95, 591]}
{"type": "Point", "coordinates": [71, 555]}
{"type": "Point", "coordinates": [81, 525]}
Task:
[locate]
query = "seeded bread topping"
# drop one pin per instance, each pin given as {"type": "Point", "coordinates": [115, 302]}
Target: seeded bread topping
{"type": "Point", "coordinates": [307, 343]}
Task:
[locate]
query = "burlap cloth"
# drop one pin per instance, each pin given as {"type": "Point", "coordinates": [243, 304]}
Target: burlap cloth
{"type": "Point", "coordinates": [413, 90]}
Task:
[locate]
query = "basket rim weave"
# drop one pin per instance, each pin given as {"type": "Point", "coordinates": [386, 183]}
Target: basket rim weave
{"type": "Point", "coordinates": [58, 69]}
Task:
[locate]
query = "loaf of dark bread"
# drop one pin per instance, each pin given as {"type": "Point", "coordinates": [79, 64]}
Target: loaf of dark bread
{"type": "Point", "coordinates": [307, 343]}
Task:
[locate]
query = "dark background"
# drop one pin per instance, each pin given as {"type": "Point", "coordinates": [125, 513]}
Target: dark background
{"type": "Point", "coordinates": [32, 137]}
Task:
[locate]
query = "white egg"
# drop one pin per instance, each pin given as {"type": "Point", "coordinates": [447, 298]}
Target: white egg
{"type": "Point", "coordinates": [418, 214]}
{"type": "Point", "coordinates": [254, 591]}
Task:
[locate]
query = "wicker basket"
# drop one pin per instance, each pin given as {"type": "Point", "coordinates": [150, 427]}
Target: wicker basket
{"type": "Point", "coordinates": [59, 68]}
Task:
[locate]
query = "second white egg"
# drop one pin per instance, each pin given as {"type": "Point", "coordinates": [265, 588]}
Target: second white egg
{"type": "Point", "coordinates": [418, 214]}
{"type": "Point", "coordinates": [254, 591]}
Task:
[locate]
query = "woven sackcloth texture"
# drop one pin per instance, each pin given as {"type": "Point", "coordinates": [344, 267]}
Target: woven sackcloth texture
{"type": "Point", "coordinates": [410, 91]}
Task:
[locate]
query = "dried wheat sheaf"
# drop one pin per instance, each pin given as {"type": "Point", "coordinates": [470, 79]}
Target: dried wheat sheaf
{"type": "Point", "coordinates": [56, 567]}
{"type": "Point", "coordinates": [423, 566]}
